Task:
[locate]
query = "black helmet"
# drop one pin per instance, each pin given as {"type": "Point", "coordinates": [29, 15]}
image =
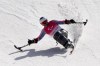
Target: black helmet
{"type": "Point", "coordinates": [42, 19]}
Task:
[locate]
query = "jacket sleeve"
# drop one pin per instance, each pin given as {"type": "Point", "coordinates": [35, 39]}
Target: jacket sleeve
{"type": "Point", "coordinates": [63, 21]}
{"type": "Point", "coordinates": [42, 34]}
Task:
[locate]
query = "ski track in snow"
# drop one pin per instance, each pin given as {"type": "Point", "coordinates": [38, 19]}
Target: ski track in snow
{"type": "Point", "coordinates": [19, 22]}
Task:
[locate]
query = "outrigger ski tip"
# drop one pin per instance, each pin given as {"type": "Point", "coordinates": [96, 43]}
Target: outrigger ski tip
{"type": "Point", "coordinates": [19, 48]}
{"type": "Point", "coordinates": [85, 22]}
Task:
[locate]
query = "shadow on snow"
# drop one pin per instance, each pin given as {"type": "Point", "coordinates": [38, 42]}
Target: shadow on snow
{"type": "Point", "coordinates": [49, 53]}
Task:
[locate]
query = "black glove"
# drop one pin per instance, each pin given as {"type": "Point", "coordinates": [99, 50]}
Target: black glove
{"type": "Point", "coordinates": [32, 41]}
{"type": "Point", "coordinates": [72, 21]}
{"type": "Point", "coordinates": [67, 21]}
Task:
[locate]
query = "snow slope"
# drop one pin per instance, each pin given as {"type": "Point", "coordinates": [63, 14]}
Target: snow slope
{"type": "Point", "coordinates": [19, 22]}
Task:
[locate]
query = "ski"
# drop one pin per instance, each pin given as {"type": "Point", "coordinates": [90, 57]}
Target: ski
{"type": "Point", "coordinates": [72, 50]}
{"type": "Point", "coordinates": [20, 48]}
{"type": "Point", "coordinates": [82, 22]}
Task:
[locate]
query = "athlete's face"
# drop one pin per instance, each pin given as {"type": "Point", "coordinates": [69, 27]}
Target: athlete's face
{"type": "Point", "coordinates": [45, 23]}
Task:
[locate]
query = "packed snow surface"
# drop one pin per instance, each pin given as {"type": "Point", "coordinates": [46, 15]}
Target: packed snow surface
{"type": "Point", "coordinates": [19, 21]}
